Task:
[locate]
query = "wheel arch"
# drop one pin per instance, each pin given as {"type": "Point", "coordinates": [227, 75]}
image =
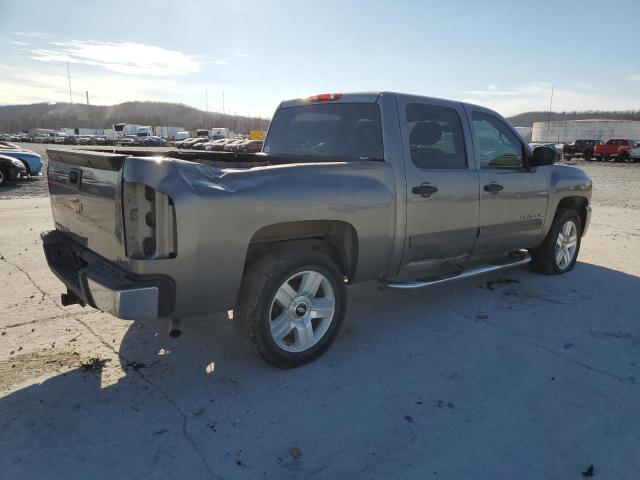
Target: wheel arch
{"type": "Point", "coordinates": [578, 204]}
{"type": "Point", "coordinates": [335, 238]}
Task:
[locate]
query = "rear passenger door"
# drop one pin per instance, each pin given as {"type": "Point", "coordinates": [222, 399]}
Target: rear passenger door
{"type": "Point", "coordinates": [442, 184]}
{"type": "Point", "coordinates": [513, 198]}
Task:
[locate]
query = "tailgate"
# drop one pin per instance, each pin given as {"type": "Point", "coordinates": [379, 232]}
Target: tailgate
{"type": "Point", "coordinates": [86, 199]}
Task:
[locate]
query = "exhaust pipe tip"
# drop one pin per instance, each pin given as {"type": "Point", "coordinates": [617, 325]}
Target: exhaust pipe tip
{"type": "Point", "coordinates": [175, 327]}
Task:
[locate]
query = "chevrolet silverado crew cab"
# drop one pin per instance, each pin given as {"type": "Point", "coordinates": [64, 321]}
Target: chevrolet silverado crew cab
{"type": "Point", "coordinates": [405, 190]}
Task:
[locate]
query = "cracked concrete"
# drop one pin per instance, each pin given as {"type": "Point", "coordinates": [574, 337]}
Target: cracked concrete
{"type": "Point", "coordinates": [536, 379]}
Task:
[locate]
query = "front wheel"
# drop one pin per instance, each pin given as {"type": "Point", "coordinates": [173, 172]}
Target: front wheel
{"type": "Point", "coordinates": [559, 251]}
{"type": "Point", "coordinates": [4, 176]}
{"type": "Point", "coordinates": [291, 306]}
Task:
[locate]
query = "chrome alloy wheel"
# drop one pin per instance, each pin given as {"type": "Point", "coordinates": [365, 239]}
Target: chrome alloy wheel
{"type": "Point", "coordinates": [566, 244]}
{"type": "Point", "coordinates": [302, 311]}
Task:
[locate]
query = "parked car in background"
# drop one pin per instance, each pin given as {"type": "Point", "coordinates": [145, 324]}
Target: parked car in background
{"type": "Point", "coordinates": [579, 148]}
{"type": "Point", "coordinates": [250, 146]}
{"type": "Point", "coordinates": [216, 144]}
{"type": "Point", "coordinates": [190, 142]}
{"type": "Point", "coordinates": [31, 160]}
{"type": "Point", "coordinates": [634, 154]}
{"type": "Point", "coordinates": [11, 169]}
{"type": "Point", "coordinates": [154, 141]}
{"type": "Point", "coordinates": [127, 140]}
{"type": "Point", "coordinates": [618, 149]}
{"type": "Point", "coordinates": [63, 138]}
{"type": "Point", "coordinates": [85, 140]}
{"type": "Point", "coordinates": [230, 146]}
{"type": "Point", "coordinates": [200, 145]}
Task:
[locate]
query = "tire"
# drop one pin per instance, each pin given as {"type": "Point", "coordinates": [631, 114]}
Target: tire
{"type": "Point", "coordinates": [26, 166]}
{"type": "Point", "coordinates": [544, 258]}
{"type": "Point", "coordinates": [599, 158]}
{"type": "Point", "coordinates": [4, 176]}
{"type": "Point", "coordinates": [261, 307]}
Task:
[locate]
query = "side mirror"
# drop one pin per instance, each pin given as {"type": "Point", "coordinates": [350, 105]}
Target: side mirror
{"type": "Point", "coordinates": [544, 156]}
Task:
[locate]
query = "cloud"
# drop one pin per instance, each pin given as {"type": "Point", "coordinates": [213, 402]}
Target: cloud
{"type": "Point", "coordinates": [494, 91]}
{"type": "Point", "coordinates": [510, 100]}
{"type": "Point", "coordinates": [126, 57]}
{"type": "Point", "coordinates": [26, 85]}
{"type": "Point", "coordinates": [634, 77]}
{"type": "Point", "coordinates": [19, 43]}
{"type": "Point", "coordinates": [33, 34]}
{"type": "Point", "coordinates": [233, 56]}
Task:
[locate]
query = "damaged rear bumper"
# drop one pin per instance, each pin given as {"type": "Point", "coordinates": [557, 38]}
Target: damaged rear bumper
{"type": "Point", "coordinates": [100, 283]}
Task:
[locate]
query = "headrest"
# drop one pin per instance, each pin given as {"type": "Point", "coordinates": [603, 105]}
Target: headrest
{"type": "Point", "coordinates": [425, 133]}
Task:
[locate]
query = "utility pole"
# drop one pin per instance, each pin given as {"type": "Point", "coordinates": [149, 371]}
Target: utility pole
{"type": "Point", "coordinates": [69, 77]}
{"type": "Point", "coordinates": [206, 99]}
{"type": "Point", "coordinates": [87, 92]}
{"type": "Point", "coordinates": [223, 102]}
{"type": "Point", "coordinates": [546, 135]}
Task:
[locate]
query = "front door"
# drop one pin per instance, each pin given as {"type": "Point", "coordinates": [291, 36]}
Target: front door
{"type": "Point", "coordinates": [442, 184]}
{"type": "Point", "coordinates": [513, 198]}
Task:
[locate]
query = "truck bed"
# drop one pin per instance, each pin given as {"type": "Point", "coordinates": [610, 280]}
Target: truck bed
{"type": "Point", "coordinates": [214, 158]}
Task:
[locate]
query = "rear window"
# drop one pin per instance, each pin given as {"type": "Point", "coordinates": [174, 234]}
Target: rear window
{"type": "Point", "coordinates": [331, 131]}
{"type": "Point", "coordinates": [617, 141]}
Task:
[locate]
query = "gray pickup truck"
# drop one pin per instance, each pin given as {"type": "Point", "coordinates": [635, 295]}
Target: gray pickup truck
{"type": "Point", "coordinates": [406, 190]}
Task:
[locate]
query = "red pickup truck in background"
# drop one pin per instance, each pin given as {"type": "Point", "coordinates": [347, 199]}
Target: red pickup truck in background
{"type": "Point", "coordinates": [616, 148]}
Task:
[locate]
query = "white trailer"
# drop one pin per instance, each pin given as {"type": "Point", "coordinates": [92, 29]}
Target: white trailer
{"type": "Point", "coordinates": [168, 132]}
{"type": "Point", "coordinates": [220, 132]}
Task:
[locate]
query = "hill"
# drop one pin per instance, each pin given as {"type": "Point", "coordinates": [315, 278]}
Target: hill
{"type": "Point", "coordinates": [14, 118]}
{"type": "Point", "coordinates": [528, 118]}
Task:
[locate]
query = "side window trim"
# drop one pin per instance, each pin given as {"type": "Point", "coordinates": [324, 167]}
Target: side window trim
{"type": "Point", "coordinates": [464, 128]}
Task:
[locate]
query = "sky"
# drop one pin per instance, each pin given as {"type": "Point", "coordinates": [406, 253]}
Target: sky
{"type": "Point", "coordinates": [505, 55]}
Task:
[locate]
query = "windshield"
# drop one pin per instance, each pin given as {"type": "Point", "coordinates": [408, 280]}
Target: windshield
{"type": "Point", "coordinates": [336, 131]}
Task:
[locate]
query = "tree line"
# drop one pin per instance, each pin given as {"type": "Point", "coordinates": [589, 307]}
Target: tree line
{"type": "Point", "coordinates": [21, 118]}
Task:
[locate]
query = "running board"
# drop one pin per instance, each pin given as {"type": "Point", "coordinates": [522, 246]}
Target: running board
{"type": "Point", "coordinates": [465, 274]}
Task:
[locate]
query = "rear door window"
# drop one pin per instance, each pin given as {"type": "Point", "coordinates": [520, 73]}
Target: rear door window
{"type": "Point", "coordinates": [435, 137]}
{"type": "Point", "coordinates": [327, 131]}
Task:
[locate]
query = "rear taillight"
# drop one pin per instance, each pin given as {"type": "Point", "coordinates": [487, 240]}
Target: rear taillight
{"type": "Point", "coordinates": [325, 97]}
{"type": "Point", "coordinates": [149, 221]}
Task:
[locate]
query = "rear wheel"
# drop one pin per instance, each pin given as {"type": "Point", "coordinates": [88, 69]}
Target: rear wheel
{"type": "Point", "coordinates": [4, 176]}
{"type": "Point", "coordinates": [291, 306]}
{"type": "Point", "coordinates": [559, 251]}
